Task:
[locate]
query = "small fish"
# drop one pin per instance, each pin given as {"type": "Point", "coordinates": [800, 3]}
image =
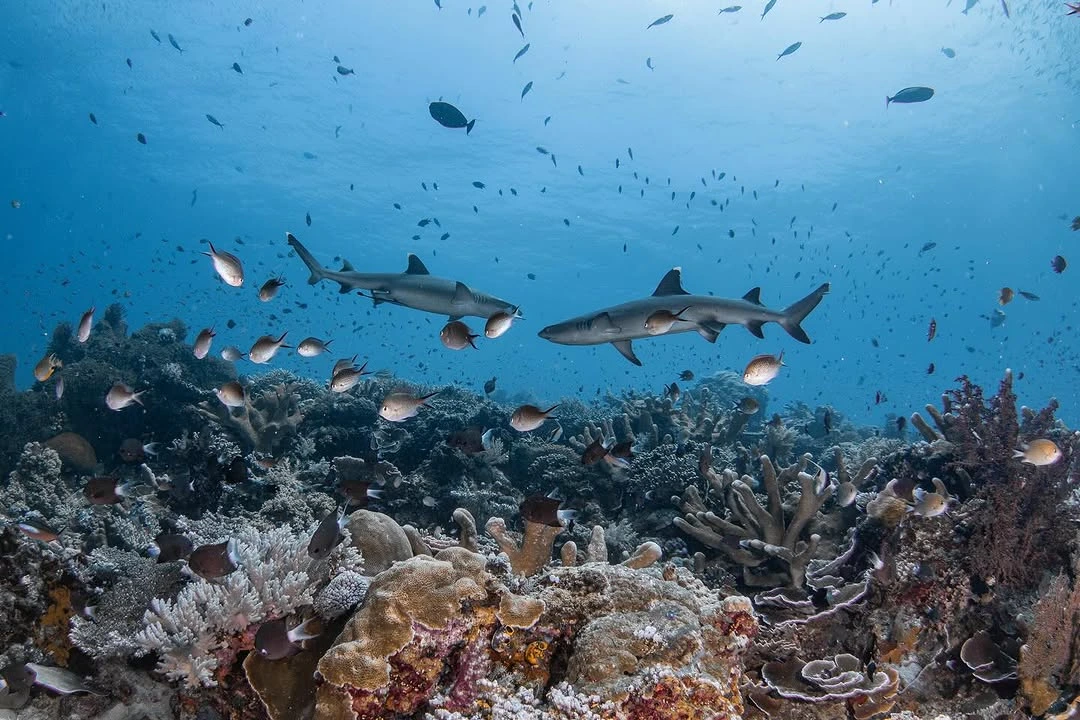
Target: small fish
{"type": "Point", "coordinates": [132, 450]}
{"type": "Point", "coordinates": [489, 386]}
{"type": "Point", "coordinates": [529, 417]}
{"type": "Point", "coordinates": [170, 547]}
{"type": "Point", "coordinates": [789, 49]}
{"type": "Point", "coordinates": [544, 510]}
{"type": "Point", "coordinates": [730, 9]}
{"type": "Point", "coordinates": [910, 95]}
{"type": "Point", "coordinates": [236, 67]}
{"type": "Point", "coordinates": [517, 23]}
{"type": "Point", "coordinates": [929, 370]}
{"type": "Point", "coordinates": [172, 41]}
{"type": "Point", "coordinates": [1058, 264]}
{"type": "Point", "coordinates": [450, 117]}
{"type": "Point", "coordinates": [307, 219]}
{"type": "Point", "coordinates": [997, 318]}
{"type": "Point", "coordinates": [661, 321]}
{"type": "Point", "coordinates": [927, 247]}
{"type": "Point", "coordinates": [901, 423]}
{"type": "Point", "coordinates": [227, 266]}
{"type": "Point", "coordinates": [93, 118]}
{"type": "Point", "coordinates": [931, 331]}
{"type": "Point", "coordinates": [121, 396]}
{"type": "Point", "coordinates": [594, 453]}
{"type": "Point", "coordinates": [347, 378]}
{"type": "Point", "coordinates": [58, 390]}
{"type": "Point", "coordinates": [342, 364]}
{"type": "Point", "coordinates": [266, 347]}
{"type": "Point", "coordinates": [521, 52]}
{"type": "Point", "coordinates": [525, 90]}
{"type": "Point", "coordinates": [672, 391]}
{"type": "Point", "coordinates": [1039, 453]}
{"type": "Point", "coordinates": [663, 21]}
{"type": "Point", "coordinates": [327, 535]}
{"type": "Point", "coordinates": [269, 289]}
{"type": "Point", "coordinates": [231, 353]}
{"type": "Point", "coordinates": [826, 421]}
{"type": "Point", "coordinates": [648, 63]}
{"type": "Point", "coordinates": [400, 406]}
{"type": "Point", "coordinates": [312, 347]}
{"type": "Point", "coordinates": [1075, 223]}
{"type": "Point", "coordinates": [141, 138]}
{"type": "Point", "coordinates": [762, 369]}
{"type": "Point", "coordinates": [456, 335]}
{"type": "Point", "coordinates": [104, 490]}
{"type": "Point", "coordinates": [556, 433]}
{"type": "Point", "coordinates": [1028, 295]}
{"type": "Point", "coordinates": [500, 322]}
{"type": "Point", "coordinates": [930, 504]}
{"type": "Point", "coordinates": [214, 121]}
{"type": "Point", "coordinates": [970, 4]}
{"type": "Point", "coordinates": [1073, 9]}
{"type": "Point", "coordinates": [231, 394]}
{"type": "Point", "coordinates": [86, 323]}
{"type": "Point", "coordinates": [155, 35]}
{"type": "Point", "coordinates": [211, 562]}
{"type": "Point", "coordinates": [344, 71]}
{"type": "Point", "coordinates": [845, 493]}
{"type": "Point", "coordinates": [948, 52]}
{"type": "Point", "coordinates": [748, 406]}
{"type": "Point", "coordinates": [1005, 296]}
{"type": "Point", "coordinates": [833, 16]}
{"type": "Point", "coordinates": [686, 375]}
{"type": "Point", "coordinates": [481, 10]}
{"type": "Point", "coordinates": [201, 348]}
{"type": "Point", "coordinates": [37, 530]}
{"type": "Point", "coordinates": [194, 196]}
{"type": "Point", "coordinates": [274, 640]}
{"type": "Point", "coordinates": [478, 185]}
{"type": "Point", "coordinates": [768, 6]}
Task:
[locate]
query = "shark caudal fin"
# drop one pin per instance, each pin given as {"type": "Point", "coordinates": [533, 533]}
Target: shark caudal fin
{"type": "Point", "coordinates": [793, 315]}
{"type": "Point", "coordinates": [318, 272]}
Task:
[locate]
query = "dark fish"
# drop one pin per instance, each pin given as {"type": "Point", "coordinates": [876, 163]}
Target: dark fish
{"type": "Point", "coordinates": [327, 536]}
{"type": "Point", "coordinates": [358, 493]}
{"type": "Point", "coordinates": [663, 21]}
{"type": "Point", "coordinates": [541, 509]}
{"type": "Point", "coordinates": [169, 547]}
{"type": "Point", "coordinates": [1076, 223]}
{"type": "Point", "coordinates": [594, 453]}
{"type": "Point", "coordinates": [525, 90]}
{"type": "Point", "coordinates": [445, 236]}
{"type": "Point", "coordinates": [211, 562]}
{"type": "Point", "coordinates": [768, 7]}
{"type": "Point", "coordinates": [930, 369]}
{"type": "Point", "coordinates": [932, 330]}
{"type": "Point", "coordinates": [236, 67]}
{"type": "Point", "coordinates": [1027, 295]}
{"type": "Point", "coordinates": [93, 118]}
{"type": "Point", "coordinates": [517, 23]}
{"type": "Point", "coordinates": [901, 423]}
{"type": "Point", "coordinates": [132, 450]}
{"type": "Point", "coordinates": [424, 223]}
{"type": "Point", "coordinates": [1058, 264]}
{"type": "Point", "coordinates": [194, 196]}
{"type": "Point", "coordinates": [948, 52]}
{"type": "Point", "coordinates": [104, 490]}
{"type": "Point", "coordinates": [155, 36]}
{"type": "Point", "coordinates": [580, 171]}
{"type": "Point", "coordinates": [236, 472]}
{"type": "Point", "coordinates": [274, 640]}
{"type": "Point", "coordinates": [648, 63]}
{"type": "Point", "coordinates": [622, 450]}
{"type": "Point", "coordinates": [450, 117]}
{"type": "Point", "coordinates": [826, 421]}
{"type": "Point", "coordinates": [1073, 9]}
{"type": "Point", "coordinates": [489, 386]}
{"type": "Point", "coordinates": [342, 70]}
{"type": "Point", "coordinates": [630, 152]}
{"type": "Point", "coordinates": [548, 119]}
{"type": "Point", "coordinates": [686, 375]}
{"type": "Point", "coordinates": [833, 16]}
{"type": "Point", "coordinates": [910, 95]}
{"type": "Point", "coordinates": [307, 219]}
{"type": "Point", "coordinates": [1005, 8]}
{"type": "Point", "coordinates": [469, 441]}
{"type": "Point", "coordinates": [141, 138]}
{"type": "Point", "coordinates": [247, 22]}
{"type": "Point", "coordinates": [214, 121]}
{"type": "Point", "coordinates": [927, 247]}
{"type": "Point", "coordinates": [172, 41]}
{"type": "Point", "coordinates": [521, 52]}
{"type": "Point", "coordinates": [128, 61]}
{"type": "Point", "coordinates": [790, 49]}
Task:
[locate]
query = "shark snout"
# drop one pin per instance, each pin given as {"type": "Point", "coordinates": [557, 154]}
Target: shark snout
{"type": "Point", "coordinates": [547, 332]}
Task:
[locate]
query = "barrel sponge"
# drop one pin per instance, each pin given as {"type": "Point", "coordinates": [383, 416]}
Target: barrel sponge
{"type": "Point", "coordinates": [422, 590]}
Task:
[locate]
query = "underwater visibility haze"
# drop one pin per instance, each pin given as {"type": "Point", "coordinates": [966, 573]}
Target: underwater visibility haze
{"type": "Point", "coordinates": [451, 360]}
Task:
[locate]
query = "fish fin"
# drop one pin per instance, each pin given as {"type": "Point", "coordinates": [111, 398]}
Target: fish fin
{"type": "Point", "coordinates": [710, 331]}
{"type": "Point", "coordinates": [318, 272]}
{"type": "Point", "coordinates": [416, 266]}
{"type": "Point", "coordinates": [754, 296]}
{"type": "Point", "coordinates": [754, 326]}
{"type": "Point", "coordinates": [626, 349]}
{"type": "Point", "coordinates": [347, 266]}
{"type": "Point", "coordinates": [792, 316]}
{"type": "Point", "coordinates": [345, 290]}
{"type": "Point", "coordinates": [671, 284]}
{"type": "Point", "coordinates": [604, 324]}
{"type": "Point", "coordinates": [462, 294]}
{"type": "Point", "coordinates": [469, 126]}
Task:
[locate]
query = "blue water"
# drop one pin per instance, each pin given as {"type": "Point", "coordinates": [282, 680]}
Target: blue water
{"type": "Point", "coordinates": [986, 170]}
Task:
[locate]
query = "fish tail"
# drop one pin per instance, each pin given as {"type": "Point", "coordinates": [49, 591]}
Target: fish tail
{"type": "Point", "coordinates": [318, 272]}
{"type": "Point", "coordinates": [423, 400]}
{"type": "Point", "coordinates": [792, 316]}
{"type": "Point", "coordinates": [550, 409]}
{"type": "Point", "coordinates": [469, 126]}
{"type": "Point", "coordinates": [887, 101]}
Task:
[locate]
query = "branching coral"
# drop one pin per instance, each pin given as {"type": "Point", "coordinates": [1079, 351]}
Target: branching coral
{"type": "Point", "coordinates": [769, 539]}
{"type": "Point", "coordinates": [532, 552]}
{"type": "Point", "coordinates": [263, 424]}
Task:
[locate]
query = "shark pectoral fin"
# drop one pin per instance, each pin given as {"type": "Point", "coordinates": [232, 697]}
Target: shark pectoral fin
{"type": "Point", "coordinates": [710, 331]}
{"type": "Point", "coordinates": [671, 284]}
{"type": "Point", "coordinates": [416, 266]}
{"type": "Point", "coordinates": [754, 326]}
{"type": "Point", "coordinates": [626, 349]}
{"type": "Point", "coordinates": [462, 294]}
{"type": "Point", "coordinates": [344, 289]}
{"type": "Point", "coordinates": [754, 296]}
{"type": "Point", "coordinates": [603, 323]}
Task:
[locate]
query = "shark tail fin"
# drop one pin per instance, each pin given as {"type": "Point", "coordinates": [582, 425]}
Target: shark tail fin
{"type": "Point", "coordinates": [795, 314]}
{"type": "Point", "coordinates": [318, 272]}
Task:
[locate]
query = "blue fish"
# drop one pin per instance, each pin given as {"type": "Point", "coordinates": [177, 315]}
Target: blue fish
{"type": "Point", "coordinates": [910, 95]}
{"type": "Point", "coordinates": [526, 89]}
{"type": "Point", "coordinates": [664, 20]}
{"type": "Point", "coordinates": [789, 49]}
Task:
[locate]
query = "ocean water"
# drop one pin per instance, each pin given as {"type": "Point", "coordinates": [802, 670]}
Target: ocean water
{"type": "Point", "coordinates": [985, 170]}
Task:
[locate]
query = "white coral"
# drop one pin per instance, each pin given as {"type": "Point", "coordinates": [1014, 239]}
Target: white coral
{"type": "Point", "coordinates": [275, 577]}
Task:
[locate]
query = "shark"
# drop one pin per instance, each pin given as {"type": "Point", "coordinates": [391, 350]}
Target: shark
{"type": "Point", "coordinates": [415, 288]}
{"type": "Point", "coordinates": [707, 315]}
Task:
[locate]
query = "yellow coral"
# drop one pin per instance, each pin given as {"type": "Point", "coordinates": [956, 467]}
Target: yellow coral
{"type": "Point", "coordinates": [52, 630]}
{"type": "Point", "coordinates": [535, 652]}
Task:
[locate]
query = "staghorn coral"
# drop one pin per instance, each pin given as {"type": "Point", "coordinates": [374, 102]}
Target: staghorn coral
{"type": "Point", "coordinates": [265, 424]}
{"type": "Point", "coordinates": [196, 634]}
{"type": "Point", "coordinates": [770, 548]}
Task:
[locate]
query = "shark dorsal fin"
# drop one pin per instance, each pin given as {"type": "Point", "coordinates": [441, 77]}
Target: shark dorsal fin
{"type": "Point", "coordinates": [671, 284]}
{"type": "Point", "coordinates": [346, 266]}
{"type": "Point", "coordinates": [754, 296]}
{"type": "Point", "coordinates": [416, 266]}
{"type": "Point", "coordinates": [462, 293]}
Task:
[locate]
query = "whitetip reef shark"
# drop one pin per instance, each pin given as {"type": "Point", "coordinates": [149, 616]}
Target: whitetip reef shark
{"type": "Point", "coordinates": [415, 288]}
{"type": "Point", "coordinates": [622, 324]}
